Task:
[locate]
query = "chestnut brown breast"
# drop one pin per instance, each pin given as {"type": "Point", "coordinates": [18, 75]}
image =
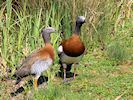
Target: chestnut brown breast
{"type": "Point", "coordinates": [73, 46]}
{"type": "Point", "coordinates": [47, 50]}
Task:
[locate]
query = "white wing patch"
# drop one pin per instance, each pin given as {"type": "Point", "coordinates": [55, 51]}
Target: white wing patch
{"type": "Point", "coordinates": [60, 49]}
{"type": "Point", "coordinates": [41, 65]}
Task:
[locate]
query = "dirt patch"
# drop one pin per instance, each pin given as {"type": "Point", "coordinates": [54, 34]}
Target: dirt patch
{"type": "Point", "coordinates": [127, 68]}
{"type": "Point", "coordinates": [23, 89]}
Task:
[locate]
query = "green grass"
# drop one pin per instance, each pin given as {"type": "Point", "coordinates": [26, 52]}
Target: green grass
{"type": "Point", "coordinates": [100, 80]}
{"type": "Point", "coordinates": [105, 72]}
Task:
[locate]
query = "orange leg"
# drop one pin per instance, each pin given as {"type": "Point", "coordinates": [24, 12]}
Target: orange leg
{"type": "Point", "coordinates": [36, 82]}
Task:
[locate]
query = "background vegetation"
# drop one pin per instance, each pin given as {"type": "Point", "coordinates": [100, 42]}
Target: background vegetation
{"type": "Point", "coordinates": [107, 34]}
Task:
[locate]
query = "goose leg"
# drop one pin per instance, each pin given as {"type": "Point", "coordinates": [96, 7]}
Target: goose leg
{"type": "Point", "coordinates": [74, 72]}
{"type": "Point", "coordinates": [64, 68]}
{"type": "Point", "coordinates": [36, 81]}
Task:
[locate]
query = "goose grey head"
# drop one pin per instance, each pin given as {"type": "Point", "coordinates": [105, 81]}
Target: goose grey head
{"type": "Point", "coordinates": [48, 30]}
{"type": "Point", "coordinates": [46, 33]}
{"type": "Point", "coordinates": [79, 22]}
{"type": "Point", "coordinates": [80, 19]}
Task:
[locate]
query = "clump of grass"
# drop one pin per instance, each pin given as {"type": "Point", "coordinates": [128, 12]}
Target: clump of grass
{"type": "Point", "coordinates": [117, 52]}
{"type": "Point", "coordinates": [50, 93]}
{"type": "Point", "coordinates": [60, 92]}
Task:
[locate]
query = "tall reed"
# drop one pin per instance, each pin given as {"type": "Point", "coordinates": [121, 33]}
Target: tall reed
{"type": "Point", "coordinates": [21, 22]}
